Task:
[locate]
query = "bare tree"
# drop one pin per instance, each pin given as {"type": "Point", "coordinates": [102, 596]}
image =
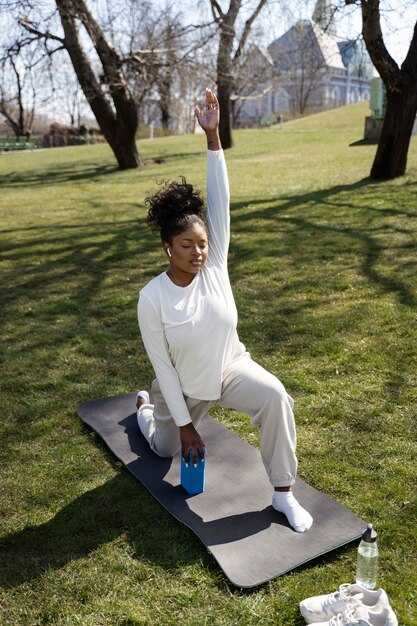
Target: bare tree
{"type": "Point", "coordinates": [23, 75]}
{"type": "Point", "coordinates": [229, 51]}
{"type": "Point", "coordinates": [254, 82]}
{"type": "Point", "coordinates": [118, 122]}
{"type": "Point", "coordinates": [187, 91]}
{"type": "Point", "coordinates": [130, 28]}
{"type": "Point", "coordinates": [116, 78]}
{"type": "Point", "coordinates": [163, 52]}
{"type": "Point", "coordinates": [108, 94]}
{"type": "Point", "coordinates": [401, 89]}
{"type": "Point", "coordinates": [17, 91]}
{"type": "Point", "coordinates": [72, 98]}
{"type": "Point", "coordinates": [161, 58]}
{"type": "Point", "coordinates": [125, 54]}
{"type": "Point", "coordinates": [166, 69]}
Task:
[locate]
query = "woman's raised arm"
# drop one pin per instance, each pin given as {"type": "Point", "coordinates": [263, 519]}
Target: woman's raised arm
{"type": "Point", "coordinates": [218, 217]}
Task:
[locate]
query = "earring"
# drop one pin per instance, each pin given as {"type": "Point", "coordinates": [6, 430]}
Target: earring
{"type": "Point", "coordinates": [169, 252]}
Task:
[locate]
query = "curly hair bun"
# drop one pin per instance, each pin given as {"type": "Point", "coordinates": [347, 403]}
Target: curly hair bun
{"type": "Point", "coordinates": [171, 208]}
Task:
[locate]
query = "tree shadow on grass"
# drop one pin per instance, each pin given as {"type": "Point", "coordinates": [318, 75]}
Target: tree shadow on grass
{"type": "Point", "coordinates": [330, 235]}
{"type": "Point", "coordinates": [364, 142]}
{"type": "Point", "coordinates": [70, 172]}
{"type": "Point", "coordinates": [60, 174]}
{"type": "Point", "coordinates": [119, 507]}
{"type": "Point", "coordinates": [64, 276]}
{"type": "Point", "coordinates": [123, 507]}
{"type": "Point", "coordinates": [326, 239]}
{"type": "Point", "coordinates": [61, 278]}
{"type": "Point", "coordinates": [79, 256]}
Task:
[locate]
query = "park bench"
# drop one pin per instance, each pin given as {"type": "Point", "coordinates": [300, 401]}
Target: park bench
{"type": "Point", "coordinates": [12, 143]}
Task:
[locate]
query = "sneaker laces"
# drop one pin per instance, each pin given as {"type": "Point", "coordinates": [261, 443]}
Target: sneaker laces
{"type": "Point", "coordinates": [337, 596]}
{"type": "Point", "coordinates": [347, 618]}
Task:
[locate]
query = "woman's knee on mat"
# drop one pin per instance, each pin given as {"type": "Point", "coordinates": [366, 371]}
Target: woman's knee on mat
{"type": "Point", "coordinates": [166, 453]}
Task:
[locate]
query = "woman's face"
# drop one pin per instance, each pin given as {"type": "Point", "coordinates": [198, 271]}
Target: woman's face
{"type": "Point", "coordinates": [189, 251]}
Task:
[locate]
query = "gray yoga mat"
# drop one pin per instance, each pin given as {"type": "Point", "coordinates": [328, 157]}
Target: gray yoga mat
{"type": "Point", "coordinates": [251, 542]}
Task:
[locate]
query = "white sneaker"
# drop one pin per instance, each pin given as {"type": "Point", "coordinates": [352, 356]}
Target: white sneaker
{"type": "Point", "coordinates": [359, 616]}
{"type": "Point", "coordinates": [321, 608]}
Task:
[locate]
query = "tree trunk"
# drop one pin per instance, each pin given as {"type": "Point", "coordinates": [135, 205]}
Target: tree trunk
{"type": "Point", "coordinates": [225, 62]}
{"type": "Point", "coordinates": [225, 125]}
{"type": "Point", "coordinates": [164, 87]}
{"type": "Point", "coordinates": [226, 23]}
{"type": "Point", "coordinates": [225, 81]}
{"type": "Point", "coordinates": [122, 141]}
{"type": "Point", "coordinates": [391, 156]}
{"type": "Point", "coordinates": [165, 116]}
{"type": "Point", "coordinates": [401, 88]}
{"type": "Point", "coordinates": [118, 125]}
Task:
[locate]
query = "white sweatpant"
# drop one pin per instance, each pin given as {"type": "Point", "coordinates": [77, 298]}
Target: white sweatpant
{"type": "Point", "coordinates": [247, 388]}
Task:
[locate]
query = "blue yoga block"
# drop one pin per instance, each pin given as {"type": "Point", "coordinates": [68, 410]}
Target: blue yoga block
{"type": "Point", "coordinates": [192, 478]}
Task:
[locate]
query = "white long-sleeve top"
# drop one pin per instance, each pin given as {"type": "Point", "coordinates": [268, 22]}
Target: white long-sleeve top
{"type": "Point", "coordinates": [190, 332]}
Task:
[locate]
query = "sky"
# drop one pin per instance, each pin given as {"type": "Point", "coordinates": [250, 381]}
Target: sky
{"type": "Point", "coordinates": [398, 19]}
{"type": "Point", "coordinates": [397, 24]}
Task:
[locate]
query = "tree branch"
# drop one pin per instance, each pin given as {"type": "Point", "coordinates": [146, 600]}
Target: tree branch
{"type": "Point", "coordinates": [247, 29]}
{"type": "Point", "coordinates": [372, 34]}
{"type": "Point", "coordinates": [215, 6]}
{"type": "Point", "coordinates": [410, 62]}
{"type": "Point", "coordinates": [82, 67]}
{"type": "Point", "coordinates": [39, 34]}
{"type": "Point", "coordinates": [258, 96]}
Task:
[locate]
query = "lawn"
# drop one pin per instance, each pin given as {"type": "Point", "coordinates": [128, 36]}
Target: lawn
{"type": "Point", "coordinates": [323, 264]}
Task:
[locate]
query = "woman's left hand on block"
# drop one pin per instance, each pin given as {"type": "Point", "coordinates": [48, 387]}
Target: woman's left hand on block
{"type": "Point", "coordinates": [191, 440]}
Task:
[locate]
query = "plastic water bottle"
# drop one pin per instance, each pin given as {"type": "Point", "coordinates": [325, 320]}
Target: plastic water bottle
{"type": "Point", "coordinates": [367, 564]}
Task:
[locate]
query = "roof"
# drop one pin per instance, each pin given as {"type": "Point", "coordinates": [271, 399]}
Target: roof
{"type": "Point", "coordinates": [259, 50]}
{"type": "Point", "coordinates": [329, 46]}
{"type": "Point", "coordinates": [331, 50]}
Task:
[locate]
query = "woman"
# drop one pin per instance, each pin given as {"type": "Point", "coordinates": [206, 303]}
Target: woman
{"type": "Point", "coordinates": [188, 318]}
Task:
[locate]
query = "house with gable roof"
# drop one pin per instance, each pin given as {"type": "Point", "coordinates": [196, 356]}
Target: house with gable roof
{"type": "Point", "coordinates": [311, 68]}
{"type": "Point", "coordinates": [318, 68]}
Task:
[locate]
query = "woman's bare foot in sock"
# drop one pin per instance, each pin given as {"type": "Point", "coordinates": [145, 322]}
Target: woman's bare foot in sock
{"type": "Point", "coordinates": [142, 398]}
{"type": "Point", "coordinates": [298, 518]}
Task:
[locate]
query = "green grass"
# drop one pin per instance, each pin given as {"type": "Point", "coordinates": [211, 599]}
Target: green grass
{"type": "Point", "coordinates": [323, 263]}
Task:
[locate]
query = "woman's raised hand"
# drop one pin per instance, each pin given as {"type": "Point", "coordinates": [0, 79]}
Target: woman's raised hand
{"type": "Point", "coordinates": [210, 116]}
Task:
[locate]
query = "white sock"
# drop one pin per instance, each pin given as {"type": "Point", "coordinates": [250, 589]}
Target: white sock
{"type": "Point", "coordinates": [298, 518]}
{"type": "Point", "coordinates": [146, 422]}
{"type": "Point", "coordinates": [144, 395]}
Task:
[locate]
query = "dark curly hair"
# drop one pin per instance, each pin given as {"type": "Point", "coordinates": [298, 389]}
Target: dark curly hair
{"type": "Point", "coordinates": [174, 208]}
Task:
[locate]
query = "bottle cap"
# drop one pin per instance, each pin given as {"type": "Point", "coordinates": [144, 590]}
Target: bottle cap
{"type": "Point", "coordinates": [369, 535]}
